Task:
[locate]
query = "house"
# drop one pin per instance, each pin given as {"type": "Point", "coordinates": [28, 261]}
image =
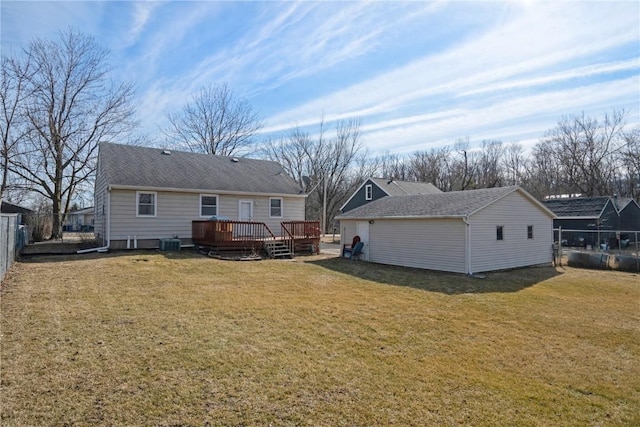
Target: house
{"type": "Point", "coordinates": [80, 220]}
{"type": "Point", "coordinates": [10, 208]}
{"type": "Point", "coordinates": [377, 188]}
{"type": "Point", "coordinates": [629, 217]}
{"type": "Point", "coordinates": [460, 231]}
{"type": "Point", "coordinates": [591, 219]}
{"type": "Point", "coordinates": [144, 194]}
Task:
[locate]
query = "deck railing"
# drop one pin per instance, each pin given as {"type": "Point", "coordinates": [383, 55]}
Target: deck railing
{"type": "Point", "coordinates": [302, 229]}
{"type": "Point", "coordinates": [230, 235]}
{"type": "Point", "coordinates": [223, 231]}
{"type": "Point", "coordinates": [304, 232]}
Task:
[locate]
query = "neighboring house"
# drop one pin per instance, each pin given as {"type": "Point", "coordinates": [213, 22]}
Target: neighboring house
{"type": "Point", "coordinates": [629, 215]}
{"type": "Point", "coordinates": [595, 218]}
{"type": "Point", "coordinates": [80, 220]}
{"type": "Point", "coordinates": [6, 207]}
{"type": "Point", "coordinates": [377, 188]}
{"type": "Point", "coordinates": [460, 231]}
{"type": "Point", "coordinates": [149, 194]}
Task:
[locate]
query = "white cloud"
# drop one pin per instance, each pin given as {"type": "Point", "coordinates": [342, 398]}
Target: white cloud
{"type": "Point", "coordinates": [531, 43]}
{"type": "Point", "coordinates": [513, 119]}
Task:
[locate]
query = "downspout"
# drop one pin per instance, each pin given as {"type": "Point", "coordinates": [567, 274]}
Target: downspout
{"type": "Point", "coordinates": [468, 245]}
{"type": "Point", "coordinates": [107, 230]}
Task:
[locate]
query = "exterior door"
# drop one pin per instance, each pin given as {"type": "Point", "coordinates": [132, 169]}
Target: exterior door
{"type": "Point", "coordinates": [245, 210]}
{"type": "Point", "coordinates": [362, 229]}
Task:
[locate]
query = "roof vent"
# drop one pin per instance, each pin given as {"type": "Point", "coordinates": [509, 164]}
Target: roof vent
{"type": "Point", "coordinates": [234, 159]}
{"type": "Point", "coordinates": [166, 152]}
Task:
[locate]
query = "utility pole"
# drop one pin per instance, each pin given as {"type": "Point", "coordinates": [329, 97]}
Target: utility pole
{"type": "Point", "coordinates": [324, 204]}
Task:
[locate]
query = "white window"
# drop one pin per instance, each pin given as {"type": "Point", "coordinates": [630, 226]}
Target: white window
{"type": "Point", "coordinates": [208, 205]}
{"type": "Point", "coordinates": [368, 192]}
{"type": "Point", "coordinates": [147, 203]}
{"type": "Point", "coordinates": [275, 207]}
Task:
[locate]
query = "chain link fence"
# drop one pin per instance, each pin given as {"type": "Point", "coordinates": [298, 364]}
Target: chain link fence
{"type": "Point", "coordinates": [13, 237]}
{"type": "Point", "coordinates": [597, 249]}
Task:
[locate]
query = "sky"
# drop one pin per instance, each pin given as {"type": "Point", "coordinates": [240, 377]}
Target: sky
{"type": "Point", "coordinates": [418, 75]}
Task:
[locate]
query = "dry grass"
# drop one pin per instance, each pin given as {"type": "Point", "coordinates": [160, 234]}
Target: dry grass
{"type": "Point", "coordinates": [153, 339]}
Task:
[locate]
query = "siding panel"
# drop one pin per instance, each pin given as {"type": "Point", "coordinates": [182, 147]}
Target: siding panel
{"type": "Point", "coordinates": [514, 213]}
{"type": "Point", "coordinates": [175, 211]}
{"type": "Point", "coordinates": [435, 244]}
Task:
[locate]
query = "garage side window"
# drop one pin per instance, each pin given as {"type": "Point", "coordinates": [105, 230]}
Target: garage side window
{"type": "Point", "coordinates": [147, 203]}
{"type": "Point", "coordinates": [368, 192]}
{"type": "Point", "coordinates": [529, 231]}
{"type": "Point", "coordinates": [208, 205]}
{"type": "Point", "coordinates": [499, 232]}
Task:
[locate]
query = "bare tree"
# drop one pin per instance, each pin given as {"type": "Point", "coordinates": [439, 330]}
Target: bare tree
{"type": "Point", "coordinates": [394, 166]}
{"type": "Point", "coordinates": [12, 129]}
{"type": "Point", "coordinates": [432, 166]}
{"type": "Point", "coordinates": [488, 169]}
{"type": "Point", "coordinates": [214, 122]}
{"type": "Point", "coordinates": [72, 105]}
{"type": "Point", "coordinates": [586, 150]}
{"type": "Point", "coordinates": [631, 164]}
{"type": "Point", "coordinates": [515, 165]}
{"type": "Point", "coordinates": [328, 168]}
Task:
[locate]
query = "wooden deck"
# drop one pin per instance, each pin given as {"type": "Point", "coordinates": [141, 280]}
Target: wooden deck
{"type": "Point", "coordinates": [243, 236]}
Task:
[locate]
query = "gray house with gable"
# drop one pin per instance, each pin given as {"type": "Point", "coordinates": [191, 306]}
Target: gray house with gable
{"type": "Point", "coordinates": [376, 188]}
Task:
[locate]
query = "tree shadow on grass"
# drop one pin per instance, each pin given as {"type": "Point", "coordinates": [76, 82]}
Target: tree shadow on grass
{"type": "Point", "coordinates": [436, 281]}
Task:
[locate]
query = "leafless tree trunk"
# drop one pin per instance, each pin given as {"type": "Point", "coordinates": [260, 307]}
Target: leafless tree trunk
{"type": "Point", "coordinates": [215, 122]}
{"type": "Point", "coordinates": [71, 107]}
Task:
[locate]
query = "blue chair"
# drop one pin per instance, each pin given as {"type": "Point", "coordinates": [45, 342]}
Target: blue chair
{"type": "Point", "coordinates": [355, 252]}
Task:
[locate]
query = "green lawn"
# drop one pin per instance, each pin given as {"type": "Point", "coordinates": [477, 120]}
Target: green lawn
{"type": "Point", "coordinates": [181, 339]}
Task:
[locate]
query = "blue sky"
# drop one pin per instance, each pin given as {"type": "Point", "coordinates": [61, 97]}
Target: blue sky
{"type": "Point", "coordinates": [418, 74]}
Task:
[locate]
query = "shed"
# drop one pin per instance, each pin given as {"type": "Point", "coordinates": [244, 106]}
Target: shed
{"type": "Point", "coordinates": [460, 231]}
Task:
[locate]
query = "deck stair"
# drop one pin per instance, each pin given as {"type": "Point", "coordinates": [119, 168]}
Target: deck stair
{"type": "Point", "coordinates": [277, 249]}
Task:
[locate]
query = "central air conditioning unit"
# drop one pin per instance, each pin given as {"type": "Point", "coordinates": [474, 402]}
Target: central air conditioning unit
{"type": "Point", "coordinates": [169, 244]}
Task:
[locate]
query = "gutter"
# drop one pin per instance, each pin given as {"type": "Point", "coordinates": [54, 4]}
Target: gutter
{"type": "Point", "coordinates": [468, 245]}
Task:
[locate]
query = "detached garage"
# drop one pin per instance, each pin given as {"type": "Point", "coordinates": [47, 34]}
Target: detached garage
{"type": "Point", "coordinates": [460, 231]}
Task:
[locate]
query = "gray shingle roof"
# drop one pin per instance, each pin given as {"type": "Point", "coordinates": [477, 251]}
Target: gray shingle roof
{"type": "Point", "coordinates": [588, 207]}
{"type": "Point", "coordinates": [403, 188]}
{"type": "Point", "coordinates": [127, 165]}
{"type": "Point", "coordinates": [450, 204]}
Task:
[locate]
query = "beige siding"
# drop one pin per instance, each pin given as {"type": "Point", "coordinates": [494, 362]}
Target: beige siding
{"type": "Point", "coordinates": [435, 244]}
{"type": "Point", "coordinates": [100, 206]}
{"type": "Point", "coordinates": [514, 213]}
{"type": "Point", "coordinates": [175, 211]}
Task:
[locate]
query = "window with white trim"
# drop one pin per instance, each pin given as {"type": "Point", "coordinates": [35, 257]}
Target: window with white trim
{"type": "Point", "coordinates": [368, 192]}
{"type": "Point", "coordinates": [146, 203]}
{"type": "Point", "coordinates": [275, 207]}
{"type": "Point", "coordinates": [208, 205]}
